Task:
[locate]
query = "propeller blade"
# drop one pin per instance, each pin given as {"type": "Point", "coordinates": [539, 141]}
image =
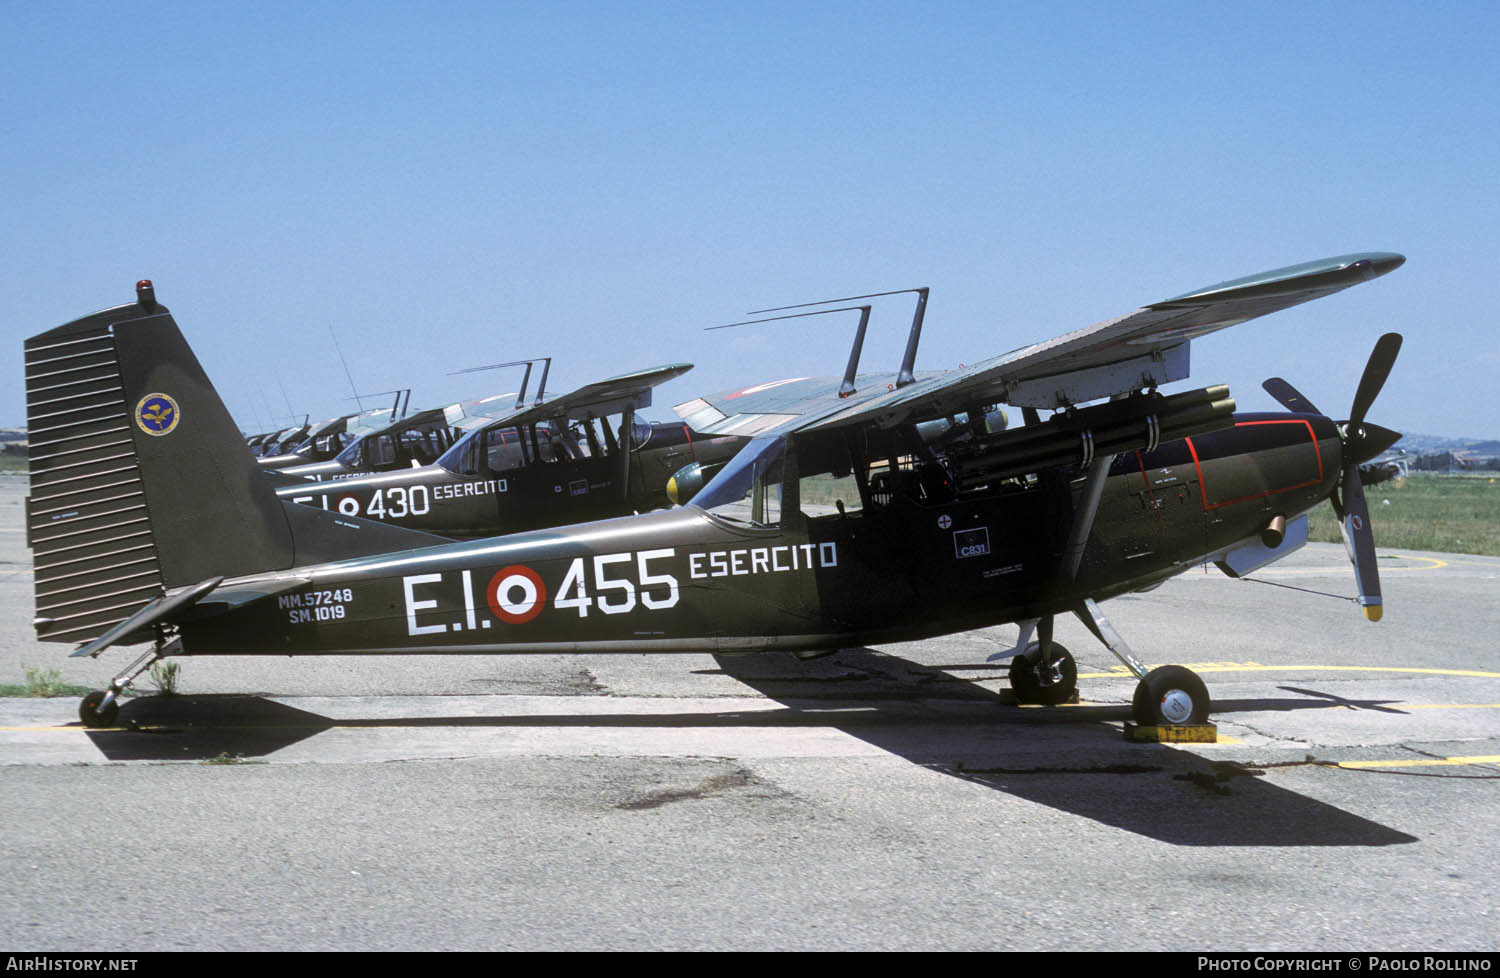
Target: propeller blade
{"type": "Point", "coordinates": [1382, 358]}
{"type": "Point", "coordinates": [1359, 541]}
{"type": "Point", "coordinates": [1289, 397]}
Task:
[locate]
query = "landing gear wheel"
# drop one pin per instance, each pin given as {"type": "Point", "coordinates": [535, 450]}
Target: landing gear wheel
{"type": "Point", "coordinates": [92, 715]}
{"type": "Point", "coordinates": [1170, 695]}
{"type": "Point", "coordinates": [1049, 684]}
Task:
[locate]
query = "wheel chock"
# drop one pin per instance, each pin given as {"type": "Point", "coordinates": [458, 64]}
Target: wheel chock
{"type": "Point", "coordinates": [1172, 733]}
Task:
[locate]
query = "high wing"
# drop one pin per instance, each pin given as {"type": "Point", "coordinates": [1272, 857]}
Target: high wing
{"type": "Point", "coordinates": [472, 414]}
{"type": "Point", "coordinates": [627, 391]}
{"type": "Point", "coordinates": [781, 404]}
{"type": "Point", "coordinates": [372, 420]}
{"type": "Point", "coordinates": [1142, 349]}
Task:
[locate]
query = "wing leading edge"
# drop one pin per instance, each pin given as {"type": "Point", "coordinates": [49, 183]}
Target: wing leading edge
{"type": "Point", "coordinates": [1142, 349]}
{"type": "Point", "coordinates": [602, 397]}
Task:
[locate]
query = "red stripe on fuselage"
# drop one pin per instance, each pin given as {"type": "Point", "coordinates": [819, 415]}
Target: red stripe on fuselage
{"type": "Point", "coordinates": [1203, 486]}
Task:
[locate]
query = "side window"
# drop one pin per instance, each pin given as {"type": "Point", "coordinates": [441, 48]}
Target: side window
{"type": "Point", "coordinates": [382, 450]}
{"type": "Point", "coordinates": [899, 465]}
{"type": "Point", "coordinates": [502, 447]}
{"type": "Point", "coordinates": [640, 432]}
{"type": "Point", "coordinates": [551, 445]}
{"type": "Point", "coordinates": [468, 461]}
{"type": "Point", "coordinates": [826, 486]}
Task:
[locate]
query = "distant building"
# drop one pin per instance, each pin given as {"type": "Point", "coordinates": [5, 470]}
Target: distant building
{"type": "Point", "coordinates": [1440, 462]}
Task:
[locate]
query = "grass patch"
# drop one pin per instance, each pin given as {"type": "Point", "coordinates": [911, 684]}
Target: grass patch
{"type": "Point", "coordinates": [1451, 513]}
{"type": "Point", "coordinates": [44, 683]}
{"type": "Point", "coordinates": [165, 676]}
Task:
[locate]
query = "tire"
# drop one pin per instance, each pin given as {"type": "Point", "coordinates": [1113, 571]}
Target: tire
{"type": "Point", "coordinates": [1032, 683]}
{"type": "Point", "coordinates": [91, 714]}
{"type": "Point", "coordinates": [1171, 696]}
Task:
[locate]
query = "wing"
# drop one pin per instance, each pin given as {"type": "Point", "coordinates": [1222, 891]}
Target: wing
{"type": "Point", "coordinates": [632, 390]}
{"type": "Point", "coordinates": [368, 421]}
{"type": "Point", "coordinates": [1143, 349]}
{"type": "Point", "coordinates": [471, 414]}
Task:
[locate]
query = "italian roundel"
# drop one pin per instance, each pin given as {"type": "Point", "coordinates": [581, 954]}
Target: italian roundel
{"type": "Point", "coordinates": [516, 594]}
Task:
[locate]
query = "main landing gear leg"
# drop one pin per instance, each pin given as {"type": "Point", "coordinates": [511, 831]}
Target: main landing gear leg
{"type": "Point", "coordinates": [100, 707]}
{"type": "Point", "coordinates": [1167, 695]}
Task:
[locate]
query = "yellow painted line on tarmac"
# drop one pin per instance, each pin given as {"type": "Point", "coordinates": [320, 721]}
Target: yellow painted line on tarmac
{"type": "Point", "coordinates": [1122, 673]}
{"type": "Point", "coordinates": [1433, 563]}
{"type": "Point", "coordinates": [1221, 739]}
{"type": "Point", "coordinates": [1426, 762]}
{"type": "Point", "coordinates": [53, 729]}
{"type": "Point", "coordinates": [1430, 563]}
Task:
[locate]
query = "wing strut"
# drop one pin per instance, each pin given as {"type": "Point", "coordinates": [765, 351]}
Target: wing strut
{"type": "Point", "coordinates": [908, 359]}
{"type": "Point", "coordinates": [627, 439]}
{"type": "Point", "coordinates": [541, 387]}
{"type": "Point", "coordinates": [846, 387]}
{"type": "Point", "coordinates": [1083, 520]}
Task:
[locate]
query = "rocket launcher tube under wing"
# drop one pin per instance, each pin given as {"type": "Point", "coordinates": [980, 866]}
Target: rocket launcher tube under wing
{"type": "Point", "coordinates": [1106, 429]}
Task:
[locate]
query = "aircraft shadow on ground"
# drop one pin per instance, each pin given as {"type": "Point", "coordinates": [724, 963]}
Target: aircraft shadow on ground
{"type": "Point", "coordinates": [1071, 760]}
{"type": "Point", "coordinates": [204, 728]}
{"type": "Point", "coordinates": [1150, 789]}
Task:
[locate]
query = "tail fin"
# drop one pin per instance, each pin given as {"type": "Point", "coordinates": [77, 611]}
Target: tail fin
{"type": "Point", "coordinates": [140, 480]}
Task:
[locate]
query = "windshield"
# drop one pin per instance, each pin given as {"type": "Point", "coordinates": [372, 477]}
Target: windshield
{"type": "Point", "coordinates": [485, 450]}
{"type": "Point", "coordinates": [349, 457]}
{"type": "Point", "coordinates": [748, 489]}
{"type": "Point", "coordinates": [454, 459]}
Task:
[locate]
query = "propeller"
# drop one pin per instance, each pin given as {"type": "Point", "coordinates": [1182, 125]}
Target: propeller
{"type": "Point", "coordinates": [1361, 442]}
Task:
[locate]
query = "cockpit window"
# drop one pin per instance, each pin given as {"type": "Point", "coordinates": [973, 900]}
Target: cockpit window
{"type": "Point", "coordinates": [425, 443]}
{"type": "Point", "coordinates": [748, 490]}
{"type": "Point", "coordinates": [463, 457]}
{"type": "Point", "coordinates": [487, 451]}
{"type": "Point", "coordinates": [350, 456]}
{"type": "Point", "coordinates": [382, 450]}
{"type": "Point", "coordinates": [502, 449]}
{"type": "Point", "coordinates": [826, 485]}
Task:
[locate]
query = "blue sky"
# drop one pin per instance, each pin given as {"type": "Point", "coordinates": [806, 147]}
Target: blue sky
{"type": "Point", "coordinates": [456, 184]}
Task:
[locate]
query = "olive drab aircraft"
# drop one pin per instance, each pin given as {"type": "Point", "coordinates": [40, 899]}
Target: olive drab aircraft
{"type": "Point", "coordinates": [410, 442]}
{"type": "Point", "coordinates": [848, 519]}
{"type": "Point", "coordinates": [583, 456]}
{"type": "Point", "coordinates": [326, 439]}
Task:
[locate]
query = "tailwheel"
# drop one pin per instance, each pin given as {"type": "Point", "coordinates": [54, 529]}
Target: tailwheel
{"type": "Point", "coordinates": [1049, 683]}
{"type": "Point", "coordinates": [1171, 695]}
{"type": "Point", "coordinates": [93, 714]}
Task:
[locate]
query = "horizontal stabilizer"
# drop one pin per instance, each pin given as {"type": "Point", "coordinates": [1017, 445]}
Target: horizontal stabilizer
{"type": "Point", "coordinates": [157, 612]}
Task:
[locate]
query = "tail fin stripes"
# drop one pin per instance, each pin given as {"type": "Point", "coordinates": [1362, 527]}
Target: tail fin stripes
{"type": "Point", "coordinates": [86, 518]}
